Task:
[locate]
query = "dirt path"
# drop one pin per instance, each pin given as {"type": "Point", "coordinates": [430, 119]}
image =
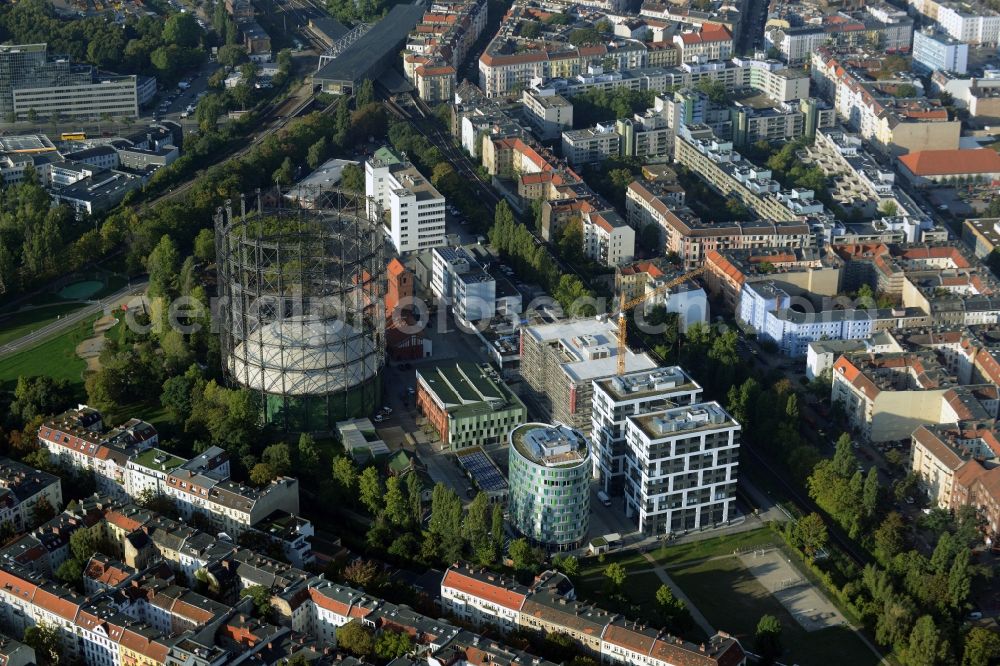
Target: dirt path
{"type": "Point", "coordinates": [90, 349]}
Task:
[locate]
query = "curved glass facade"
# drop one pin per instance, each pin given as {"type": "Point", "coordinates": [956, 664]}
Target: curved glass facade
{"type": "Point", "coordinates": [549, 477]}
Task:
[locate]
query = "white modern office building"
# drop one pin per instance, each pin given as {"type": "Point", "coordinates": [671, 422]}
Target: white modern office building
{"type": "Point", "coordinates": [413, 211]}
{"type": "Point", "coordinates": [939, 52]}
{"type": "Point", "coordinates": [461, 283]}
{"type": "Point", "coordinates": [633, 394]}
{"type": "Point", "coordinates": [682, 468]}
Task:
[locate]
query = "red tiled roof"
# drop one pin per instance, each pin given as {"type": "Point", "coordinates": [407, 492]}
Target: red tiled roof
{"type": "Point", "coordinates": [951, 162]}
{"type": "Point", "coordinates": [395, 268]}
{"type": "Point", "coordinates": [708, 33]}
{"type": "Point", "coordinates": [483, 590]}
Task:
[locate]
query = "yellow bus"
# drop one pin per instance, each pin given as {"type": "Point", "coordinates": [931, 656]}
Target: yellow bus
{"type": "Point", "coordinates": [73, 136]}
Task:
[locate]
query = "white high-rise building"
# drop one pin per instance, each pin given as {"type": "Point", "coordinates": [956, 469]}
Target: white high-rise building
{"type": "Point", "coordinates": [413, 210]}
{"type": "Point", "coordinates": [633, 394]}
{"type": "Point", "coordinates": [462, 284]}
{"type": "Point", "coordinates": [682, 468]}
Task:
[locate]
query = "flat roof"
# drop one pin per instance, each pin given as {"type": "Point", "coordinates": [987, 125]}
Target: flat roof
{"type": "Point", "coordinates": [26, 143]}
{"type": "Point", "coordinates": [600, 338]}
{"type": "Point", "coordinates": [550, 445]}
{"type": "Point", "coordinates": [684, 420]}
{"type": "Point", "coordinates": [640, 384]}
{"type": "Point", "coordinates": [159, 459]}
{"type": "Point", "coordinates": [464, 389]}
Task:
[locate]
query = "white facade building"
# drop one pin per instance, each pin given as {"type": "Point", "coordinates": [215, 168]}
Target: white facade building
{"type": "Point", "coordinates": [459, 281]}
{"type": "Point", "coordinates": [682, 473]}
{"type": "Point", "coordinates": [633, 394]}
{"type": "Point", "coordinates": [413, 210]}
{"type": "Point", "coordinates": [607, 238]}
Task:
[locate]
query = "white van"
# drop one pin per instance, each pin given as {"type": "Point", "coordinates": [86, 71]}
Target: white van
{"type": "Point", "coordinates": [603, 496]}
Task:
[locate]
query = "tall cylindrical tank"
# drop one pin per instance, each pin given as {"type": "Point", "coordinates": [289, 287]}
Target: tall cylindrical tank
{"type": "Point", "coordinates": [301, 309]}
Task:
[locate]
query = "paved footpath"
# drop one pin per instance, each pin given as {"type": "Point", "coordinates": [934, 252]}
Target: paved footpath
{"type": "Point", "coordinates": [696, 615]}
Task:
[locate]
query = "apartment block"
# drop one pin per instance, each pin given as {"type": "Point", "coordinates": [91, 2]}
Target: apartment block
{"type": "Point", "coordinates": [887, 397]}
{"type": "Point", "coordinates": [691, 238]}
{"type": "Point", "coordinates": [633, 394]}
{"type": "Point", "coordinates": [794, 271]}
{"type": "Point", "coordinates": [502, 71]}
{"type": "Point", "coordinates": [939, 52]}
{"type": "Point", "coordinates": [645, 135]}
{"type": "Point", "coordinates": [439, 44]}
{"type": "Point", "coordinates": [727, 172]}
{"type": "Point", "coordinates": [412, 210]}
{"type": "Point", "coordinates": [591, 145]}
{"type": "Point", "coordinates": [548, 112]}
{"type": "Point", "coordinates": [549, 605]}
{"type": "Point", "coordinates": [21, 489]}
{"type": "Point", "coordinates": [707, 42]}
{"type": "Point", "coordinates": [682, 473]}
{"type": "Point", "coordinates": [973, 23]}
{"type": "Point", "coordinates": [896, 126]}
{"type": "Point", "coordinates": [462, 284]}
{"type": "Point", "coordinates": [77, 438]}
{"type": "Point", "coordinates": [688, 299]}
{"type": "Point", "coordinates": [607, 238]}
{"type": "Point", "coordinates": [126, 463]}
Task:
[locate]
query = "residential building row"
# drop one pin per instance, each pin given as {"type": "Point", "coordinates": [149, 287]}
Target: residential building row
{"type": "Point", "coordinates": [895, 125]}
{"type": "Point", "coordinates": [886, 397]}
{"type": "Point", "coordinates": [549, 605]}
{"type": "Point", "coordinates": [731, 175]}
{"type": "Point", "coordinates": [795, 30]}
{"type": "Point", "coordinates": [126, 463]}
{"type": "Point", "coordinates": [770, 77]}
{"type": "Point", "coordinates": [972, 23]}
{"type": "Point", "coordinates": [438, 45]}
{"type": "Point", "coordinates": [23, 491]}
{"type": "Point", "coordinates": [936, 285]}
{"type": "Point", "coordinates": [691, 238]}
{"type": "Point", "coordinates": [138, 609]}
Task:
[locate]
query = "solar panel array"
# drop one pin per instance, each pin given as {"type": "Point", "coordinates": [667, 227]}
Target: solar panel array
{"type": "Point", "coordinates": [484, 471]}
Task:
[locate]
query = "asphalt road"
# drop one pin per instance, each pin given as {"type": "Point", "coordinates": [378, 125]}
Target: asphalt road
{"type": "Point", "coordinates": [63, 323]}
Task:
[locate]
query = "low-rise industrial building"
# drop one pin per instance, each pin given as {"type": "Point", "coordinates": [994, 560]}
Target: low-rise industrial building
{"type": "Point", "coordinates": [467, 404]}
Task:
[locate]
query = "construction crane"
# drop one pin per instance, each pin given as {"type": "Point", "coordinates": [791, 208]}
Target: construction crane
{"type": "Point", "coordinates": [628, 305]}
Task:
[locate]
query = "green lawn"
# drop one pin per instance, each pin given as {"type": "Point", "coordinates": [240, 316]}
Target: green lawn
{"type": "Point", "coordinates": [731, 599]}
{"type": "Point", "coordinates": [673, 555]}
{"type": "Point", "coordinates": [151, 412]}
{"type": "Point", "coordinates": [20, 324]}
{"type": "Point", "coordinates": [593, 566]}
{"type": "Point", "coordinates": [55, 358]}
